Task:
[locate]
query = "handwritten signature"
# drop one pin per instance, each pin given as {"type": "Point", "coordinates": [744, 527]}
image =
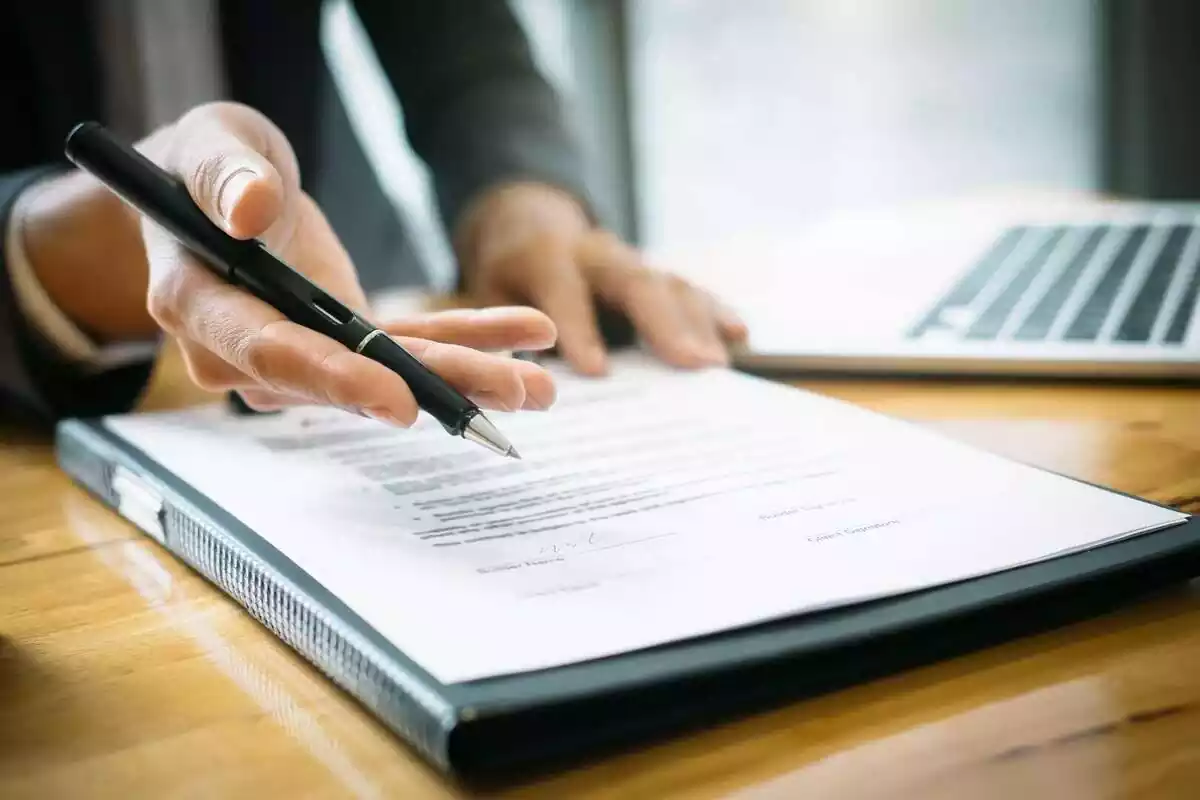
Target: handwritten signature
{"type": "Point", "coordinates": [595, 542]}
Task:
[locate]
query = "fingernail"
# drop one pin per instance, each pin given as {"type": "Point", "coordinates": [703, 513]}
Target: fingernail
{"type": "Point", "coordinates": [710, 353]}
{"type": "Point", "coordinates": [726, 317]}
{"type": "Point", "coordinates": [232, 189]}
{"type": "Point", "coordinates": [534, 403]}
{"type": "Point", "coordinates": [490, 400]}
{"type": "Point", "coordinates": [384, 416]}
{"type": "Point", "coordinates": [594, 359]}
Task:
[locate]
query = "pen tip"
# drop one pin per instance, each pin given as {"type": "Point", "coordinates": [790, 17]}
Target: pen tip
{"type": "Point", "coordinates": [481, 431]}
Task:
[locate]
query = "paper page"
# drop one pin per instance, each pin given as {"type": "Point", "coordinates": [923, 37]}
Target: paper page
{"type": "Point", "coordinates": [650, 507]}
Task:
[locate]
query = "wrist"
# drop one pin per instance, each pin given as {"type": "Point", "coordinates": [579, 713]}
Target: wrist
{"type": "Point", "coordinates": [84, 247]}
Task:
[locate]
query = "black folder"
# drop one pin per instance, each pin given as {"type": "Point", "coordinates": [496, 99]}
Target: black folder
{"type": "Point", "coordinates": [506, 727]}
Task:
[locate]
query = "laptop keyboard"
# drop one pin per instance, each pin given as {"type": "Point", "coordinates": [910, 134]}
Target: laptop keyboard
{"type": "Point", "coordinates": [1135, 283]}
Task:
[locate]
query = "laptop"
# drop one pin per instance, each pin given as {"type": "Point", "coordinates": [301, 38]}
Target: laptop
{"type": "Point", "coordinates": [1048, 288]}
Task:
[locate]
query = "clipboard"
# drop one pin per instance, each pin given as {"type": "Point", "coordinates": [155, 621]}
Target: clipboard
{"type": "Point", "coordinates": [498, 729]}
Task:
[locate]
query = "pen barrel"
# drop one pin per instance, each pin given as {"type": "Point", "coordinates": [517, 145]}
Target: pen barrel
{"type": "Point", "coordinates": [432, 393]}
{"type": "Point", "coordinates": [154, 192]}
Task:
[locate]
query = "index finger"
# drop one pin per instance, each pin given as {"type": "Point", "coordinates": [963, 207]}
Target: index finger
{"type": "Point", "coordinates": [498, 328]}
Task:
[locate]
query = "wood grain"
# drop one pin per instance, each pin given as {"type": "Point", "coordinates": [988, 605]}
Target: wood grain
{"type": "Point", "coordinates": [124, 674]}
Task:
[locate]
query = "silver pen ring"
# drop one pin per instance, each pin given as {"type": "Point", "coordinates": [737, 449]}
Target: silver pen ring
{"type": "Point", "coordinates": [367, 340]}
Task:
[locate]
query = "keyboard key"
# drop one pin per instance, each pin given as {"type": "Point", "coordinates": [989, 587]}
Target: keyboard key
{"type": "Point", "coordinates": [1090, 319]}
{"type": "Point", "coordinates": [1146, 305]}
{"type": "Point", "coordinates": [1041, 319]}
{"type": "Point", "coordinates": [992, 320]}
{"type": "Point", "coordinates": [1178, 329]}
{"type": "Point", "coordinates": [973, 282]}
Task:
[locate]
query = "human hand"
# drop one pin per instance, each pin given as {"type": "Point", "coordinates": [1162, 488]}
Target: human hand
{"type": "Point", "coordinates": [240, 169]}
{"type": "Point", "coordinates": [530, 243]}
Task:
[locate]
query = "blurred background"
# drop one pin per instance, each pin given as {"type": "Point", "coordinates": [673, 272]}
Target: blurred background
{"type": "Point", "coordinates": [705, 120]}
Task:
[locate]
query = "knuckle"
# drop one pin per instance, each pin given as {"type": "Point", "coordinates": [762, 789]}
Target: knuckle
{"type": "Point", "coordinates": [258, 356]}
{"type": "Point", "coordinates": [328, 387]}
{"type": "Point", "coordinates": [163, 308]}
{"type": "Point", "coordinates": [639, 279]}
{"type": "Point", "coordinates": [512, 264]}
{"type": "Point", "coordinates": [599, 241]}
{"type": "Point", "coordinates": [232, 109]}
{"type": "Point", "coordinates": [245, 118]}
{"type": "Point", "coordinates": [678, 284]}
{"type": "Point", "coordinates": [206, 111]}
{"type": "Point", "coordinates": [208, 376]}
{"type": "Point", "coordinates": [539, 250]}
{"type": "Point", "coordinates": [227, 112]}
{"type": "Point", "coordinates": [285, 369]}
{"type": "Point", "coordinates": [604, 236]}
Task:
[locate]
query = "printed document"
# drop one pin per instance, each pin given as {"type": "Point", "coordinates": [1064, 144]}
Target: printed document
{"type": "Point", "coordinates": [651, 506]}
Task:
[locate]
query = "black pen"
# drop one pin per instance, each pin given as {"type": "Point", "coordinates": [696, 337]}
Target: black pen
{"type": "Point", "coordinates": [248, 265]}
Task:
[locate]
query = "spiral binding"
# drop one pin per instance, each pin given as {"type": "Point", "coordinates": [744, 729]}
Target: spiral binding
{"type": "Point", "coordinates": [399, 699]}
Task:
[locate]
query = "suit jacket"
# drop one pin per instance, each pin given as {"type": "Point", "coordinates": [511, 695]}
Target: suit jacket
{"type": "Point", "coordinates": [476, 110]}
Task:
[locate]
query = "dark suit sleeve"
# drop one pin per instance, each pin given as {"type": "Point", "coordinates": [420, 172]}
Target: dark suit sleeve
{"type": "Point", "coordinates": [37, 387]}
{"type": "Point", "coordinates": [476, 108]}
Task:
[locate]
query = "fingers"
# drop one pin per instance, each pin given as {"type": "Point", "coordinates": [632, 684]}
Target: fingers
{"type": "Point", "coordinates": [731, 326]}
{"type": "Point", "coordinates": [212, 374]}
{"type": "Point", "coordinates": [500, 384]}
{"type": "Point", "coordinates": [240, 170]}
{"type": "Point", "coordinates": [681, 323]}
{"type": "Point", "coordinates": [492, 381]}
{"type": "Point", "coordinates": [560, 289]}
{"type": "Point", "coordinates": [654, 307]}
{"type": "Point", "coordinates": [700, 312]}
{"type": "Point", "coordinates": [272, 353]}
{"type": "Point", "coordinates": [678, 321]}
{"type": "Point", "coordinates": [504, 328]}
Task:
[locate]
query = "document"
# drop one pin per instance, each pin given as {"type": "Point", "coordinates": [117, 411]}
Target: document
{"type": "Point", "coordinates": [651, 506]}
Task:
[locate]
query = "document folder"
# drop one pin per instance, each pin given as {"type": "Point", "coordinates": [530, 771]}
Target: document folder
{"type": "Point", "coordinates": [499, 728]}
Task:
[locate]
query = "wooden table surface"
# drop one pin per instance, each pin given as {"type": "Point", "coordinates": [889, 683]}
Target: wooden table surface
{"type": "Point", "coordinates": [123, 674]}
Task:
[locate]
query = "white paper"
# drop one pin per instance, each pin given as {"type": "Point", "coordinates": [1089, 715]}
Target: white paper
{"type": "Point", "coordinates": [651, 506]}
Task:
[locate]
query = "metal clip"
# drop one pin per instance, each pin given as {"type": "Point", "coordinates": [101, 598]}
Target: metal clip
{"type": "Point", "coordinates": [139, 504]}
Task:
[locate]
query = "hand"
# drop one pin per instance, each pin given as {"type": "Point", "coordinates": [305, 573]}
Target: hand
{"type": "Point", "coordinates": [240, 169]}
{"type": "Point", "coordinates": [533, 244]}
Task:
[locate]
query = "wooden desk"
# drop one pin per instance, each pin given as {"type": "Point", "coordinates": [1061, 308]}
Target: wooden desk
{"type": "Point", "coordinates": [123, 674]}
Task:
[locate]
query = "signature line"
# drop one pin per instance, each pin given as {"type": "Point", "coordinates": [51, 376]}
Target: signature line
{"type": "Point", "coordinates": [627, 542]}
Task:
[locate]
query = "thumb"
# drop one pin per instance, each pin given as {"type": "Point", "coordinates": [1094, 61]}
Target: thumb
{"type": "Point", "coordinates": [238, 168]}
